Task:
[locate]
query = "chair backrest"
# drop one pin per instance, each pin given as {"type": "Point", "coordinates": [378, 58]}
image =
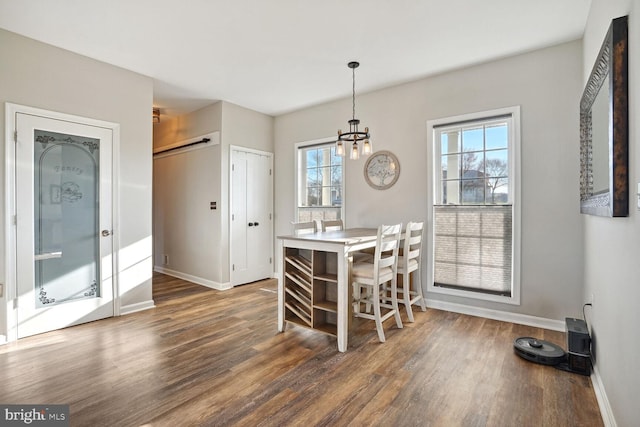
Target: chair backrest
{"type": "Point", "coordinates": [387, 245]}
{"type": "Point", "coordinates": [331, 224]}
{"type": "Point", "coordinates": [412, 249]}
{"type": "Point", "coordinates": [304, 227]}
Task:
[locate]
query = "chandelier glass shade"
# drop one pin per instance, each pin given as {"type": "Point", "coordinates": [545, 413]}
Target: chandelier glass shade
{"type": "Point", "coordinates": [350, 140]}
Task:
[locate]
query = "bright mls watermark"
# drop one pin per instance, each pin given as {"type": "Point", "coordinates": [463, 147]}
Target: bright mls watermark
{"type": "Point", "coordinates": [34, 415]}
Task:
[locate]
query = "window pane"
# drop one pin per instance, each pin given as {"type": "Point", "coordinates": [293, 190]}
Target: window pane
{"type": "Point", "coordinates": [450, 142]}
{"type": "Point", "coordinates": [497, 174]}
{"type": "Point", "coordinates": [335, 159]}
{"type": "Point", "coordinates": [497, 136]}
{"type": "Point", "coordinates": [472, 165]}
{"type": "Point", "coordinates": [312, 177]}
{"type": "Point", "coordinates": [324, 157]}
{"type": "Point", "coordinates": [473, 191]}
{"type": "Point", "coordinates": [312, 158]}
{"type": "Point", "coordinates": [498, 190]}
{"type": "Point", "coordinates": [473, 139]}
{"type": "Point", "coordinates": [450, 192]}
{"type": "Point", "coordinates": [451, 166]}
{"type": "Point", "coordinates": [336, 176]}
{"type": "Point", "coordinates": [313, 196]}
{"type": "Point", "coordinates": [325, 175]}
{"type": "Point", "coordinates": [325, 196]}
{"type": "Point", "coordinates": [336, 196]}
{"type": "Point", "coordinates": [497, 163]}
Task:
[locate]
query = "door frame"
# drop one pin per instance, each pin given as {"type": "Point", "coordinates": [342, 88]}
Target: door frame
{"type": "Point", "coordinates": [230, 222]}
{"type": "Point", "coordinates": [9, 297]}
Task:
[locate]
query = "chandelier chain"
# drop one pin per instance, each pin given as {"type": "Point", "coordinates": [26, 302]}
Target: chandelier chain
{"type": "Point", "coordinates": [353, 92]}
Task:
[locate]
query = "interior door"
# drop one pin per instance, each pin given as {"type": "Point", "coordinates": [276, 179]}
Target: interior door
{"type": "Point", "coordinates": [251, 218]}
{"type": "Point", "coordinates": [63, 223]}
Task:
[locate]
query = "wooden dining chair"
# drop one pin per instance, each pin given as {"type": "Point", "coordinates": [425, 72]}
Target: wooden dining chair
{"type": "Point", "coordinates": [411, 261]}
{"type": "Point", "coordinates": [369, 279]}
{"type": "Point", "coordinates": [307, 227]}
{"type": "Point", "coordinates": [331, 224]}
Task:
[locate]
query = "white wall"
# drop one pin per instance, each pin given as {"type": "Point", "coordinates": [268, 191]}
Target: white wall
{"type": "Point", "coordinates": [39, 75]}
{"type": "Point", "coordinates": [197, 241]}
{"type": "Point", "coordinates": [185, 228]}
{"type": "Point", "coordinates": [612, 245]}
{"type": "Point", "coordinates": [545, 84]}
{"type": "Point", "coordinates": [244, 128]}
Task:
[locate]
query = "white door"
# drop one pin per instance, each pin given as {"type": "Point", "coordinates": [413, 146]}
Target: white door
{"type": "Point", "coordinates": [251, 216]}
{"type": "Point", "coordinates": [63, 223]}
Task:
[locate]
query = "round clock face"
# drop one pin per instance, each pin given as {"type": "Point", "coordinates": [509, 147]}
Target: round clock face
{"type": "Point", "coordinates": [381, 170]}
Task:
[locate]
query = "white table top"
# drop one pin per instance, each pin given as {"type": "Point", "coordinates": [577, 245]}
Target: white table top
{"type": "Point", "coordinates": [348, 236]}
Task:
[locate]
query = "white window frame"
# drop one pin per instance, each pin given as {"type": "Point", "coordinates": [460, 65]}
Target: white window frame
{"type": "Point", "coordinates": [296, 189]}
{"type": "Point", "coordinates": [434, 181]}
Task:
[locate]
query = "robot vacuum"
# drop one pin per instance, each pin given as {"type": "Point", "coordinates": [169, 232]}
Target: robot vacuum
{"type": "Point", "coordinates": [539, 351]}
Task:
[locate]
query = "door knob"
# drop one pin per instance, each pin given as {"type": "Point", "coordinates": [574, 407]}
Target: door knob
{"type": "Point", "coordinates": [250, 224]}
{"type": "Point", "coordinates": [256, 224]}
{"type": "Point", "coordinates": [106, 233]}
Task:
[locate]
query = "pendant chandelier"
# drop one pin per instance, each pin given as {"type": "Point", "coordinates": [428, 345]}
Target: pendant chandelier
{"type": "Point", "coordinates": [354, 136]}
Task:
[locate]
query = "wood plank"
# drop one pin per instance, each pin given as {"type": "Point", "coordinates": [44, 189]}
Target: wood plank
{"type": "Point", "coordinates": [206, 357]}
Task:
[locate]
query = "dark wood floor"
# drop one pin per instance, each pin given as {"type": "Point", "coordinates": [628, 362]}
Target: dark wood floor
{"type": "Point", "coordinates": [204, 357]}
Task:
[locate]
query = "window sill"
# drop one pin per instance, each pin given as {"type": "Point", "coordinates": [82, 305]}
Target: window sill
{"type": "Point", "coordinates": [513, 299]}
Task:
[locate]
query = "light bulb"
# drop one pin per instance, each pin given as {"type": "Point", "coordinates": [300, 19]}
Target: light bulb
{"type": "Point", "coordinates": [366, 147]}
{"type": "Point", "coordinates": [355, 153]}
{"type": "Point", "coordinates": [339, 148]}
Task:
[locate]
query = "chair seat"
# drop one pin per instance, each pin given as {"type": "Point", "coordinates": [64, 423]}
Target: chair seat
{"type": "Point", "coordinates": [364, 270]}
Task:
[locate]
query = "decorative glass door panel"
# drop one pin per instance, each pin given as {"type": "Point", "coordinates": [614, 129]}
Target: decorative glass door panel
{"type": "Point", "coordinates": [66, 228]}
{"type": "Point", "coordinates": [64, 243]}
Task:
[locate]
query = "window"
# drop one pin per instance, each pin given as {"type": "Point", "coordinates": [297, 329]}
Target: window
{"type": "Point", "coordinates": [475, 205]}
{"type": "Point", "coordinates": [319, 182]}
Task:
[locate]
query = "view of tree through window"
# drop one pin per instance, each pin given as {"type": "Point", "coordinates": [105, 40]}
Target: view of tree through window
{"type": "Point", "coordinates": [475, 168]}
{"type": "Point", "coordinates": [319, 183]}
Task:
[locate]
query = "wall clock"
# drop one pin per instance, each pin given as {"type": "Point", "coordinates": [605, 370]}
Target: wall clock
{"type": "Point", "coordinates": [382, 170]}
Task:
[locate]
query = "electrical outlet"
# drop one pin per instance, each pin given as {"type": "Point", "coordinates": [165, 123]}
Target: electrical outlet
{"type": "Point", "coordinates": [165, 259]}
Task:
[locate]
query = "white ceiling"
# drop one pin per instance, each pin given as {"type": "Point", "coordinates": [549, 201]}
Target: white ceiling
{"type": "Point", "coordinates": [276, 56]}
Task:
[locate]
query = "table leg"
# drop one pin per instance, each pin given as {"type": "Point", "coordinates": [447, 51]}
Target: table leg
{"type": "Point", "coordinates": [281, 323]}
{"type": "Point", "coordinates": [343, 301]}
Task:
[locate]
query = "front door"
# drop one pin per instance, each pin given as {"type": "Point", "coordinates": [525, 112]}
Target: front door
{"type": "Point", "coordinates": [63, 223]}
{"type": "Point", "coordinates": [251, 223]}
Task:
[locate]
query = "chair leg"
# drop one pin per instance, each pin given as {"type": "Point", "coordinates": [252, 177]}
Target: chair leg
{"type": "Point", "coordinates": [378, 318]}
{"type": "Point", "coordinates": [356, 298]}
{"type": "Point", "coordinates": [368, 298]}
{"type": "Point", "coordinates": [406, 295]}
{"type": "Point", "coordinates": [418, 284]}
{"type": "Point", "coordinates": [394, 302]}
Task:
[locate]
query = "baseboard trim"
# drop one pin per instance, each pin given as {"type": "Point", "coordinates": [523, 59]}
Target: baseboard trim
{"type": "Point", "coordinates": [601, 396]}
{"type": "Point", "coordinates": [195, 279]}
{"type": "Point", "coordinates": [139, 306]}
{"type": "Point", "coordinates": [521, 319]}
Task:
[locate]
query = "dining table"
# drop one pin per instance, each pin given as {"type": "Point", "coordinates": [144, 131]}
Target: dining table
{"type": "Point", "coordinates": [313, 290]}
